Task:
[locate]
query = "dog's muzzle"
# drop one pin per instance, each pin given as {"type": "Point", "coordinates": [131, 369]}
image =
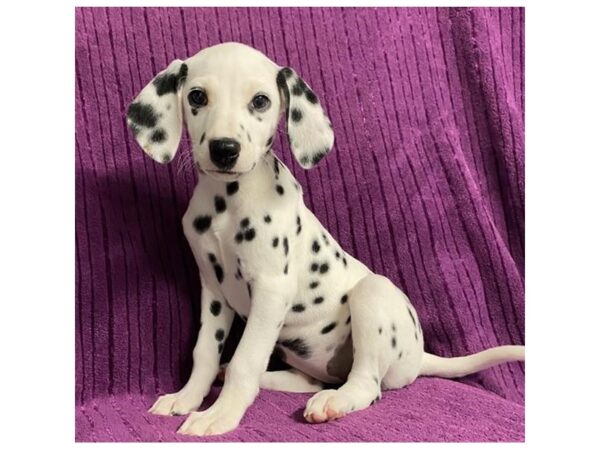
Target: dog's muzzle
{"type": "Point", "coordinates": [224, 152]}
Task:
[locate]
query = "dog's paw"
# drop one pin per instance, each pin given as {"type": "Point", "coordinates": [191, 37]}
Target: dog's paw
{"type": "Point", "coordinates": [176, 404]}
{"type": "Point", "coordinates": [327, 405]}
{"type": "Point", "coordinates": [217, 419]}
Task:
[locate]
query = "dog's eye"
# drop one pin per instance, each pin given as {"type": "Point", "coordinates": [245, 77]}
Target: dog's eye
{"type": "Point", "coordinates": [261, 102]}
{"type": "Point", "coordinates": [197, 98]}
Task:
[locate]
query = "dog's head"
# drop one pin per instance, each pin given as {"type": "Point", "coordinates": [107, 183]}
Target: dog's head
{"type": "Point", "coordinates": [231, 98]}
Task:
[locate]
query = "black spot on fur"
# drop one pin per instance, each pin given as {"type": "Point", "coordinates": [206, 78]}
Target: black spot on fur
{"type": "Point", "coordinates": [212, 258]}
{"type": "Point", "coordinates": [412, 317]}
{"type": "Point", "coordinates": [394, 328]}
{"type": "Point", "coordinates": [249, 288]}
{"type": "Point", "coordinates": [248, 136]}
{"type": "Point", "coordinates": [220, 204]}
{"type": "Point", "coordinates": [394, 342]}
{"type": "Point", "coordinates": [324, 268]}
{"type": "Point", "coordinates": [304, 160]}
{"type": "Point", "coordinates": [267, 219]}
{"type": "Point", "coordinates": [313, 284]}
{"type": "Point", "coordinates": [298, 225]}
{"type": "Point", "coordinates": [286, 247]}
{"type": "Point", "coordinates": [328, 328]}
{"type": "Point", "coordinates": [215, 307]}
{"type": "Point", "coordinates": [168, 83]}
{"type": "Point", "coordinates": [218, 272]}
{"type": "Point", "coordinates": [159, 135]}
{"type": "Point", "coordinates": [310, 96]}
{"type": "Point", "coordinates": [345, 262]}
{"type": "Point", "coordinates": [318, 300]}
{"type": "Point", "coordinates": [285, 270]}
{"type": "Point", "coordinates": [324, 236]}
{"type": "Point", "coordinates": [220, 334]}
{"type": "Point", "coordinates": [232, 187]}
{"type": "Point", "coordinates": [337, 255]}
{"type": "Point", "coordinates": [400, 355]}
{"type": "Point", "coordinates": [380, 330]}
{"type": "Point", "coordinates": [202, 223]}
{"type": "Point", "coordinates": [318, 157]}
{"type": "Point", "coordinates": [316, 247]}
{"type": "Point", "coordinates": [166, 158]}
{"type": "Point", "coordinates": [314, 267]}
{"type": "Point", "coordinates": [296, 115]}
{"type": "Point", "coordinates": [269, 141]}
{"type": "Point", "coordinates": [239, 237]}
{"type": "Point", "coordinates": [142, 115]}
{"type": "Point", "coordinates": [194, 111]}
{"type": "Point", "coordinates": [279, 189]}
{"type": "Point", "coordinates": [344, 299]}
{"type": "Point", "coordinates": [298, 346]}
{"type": "Point", "coordinates": [245, 222]}
{"type": "Point", "coordinates": [202, 138]}
{"type": "Point", "coordinates": [348, 320]}
{"type": "Point", "coordinates": [298, 307]}
{"type": "Point", "coordinates": [249, 234]}
{"type": "Point", "coordinates": [275, 241]}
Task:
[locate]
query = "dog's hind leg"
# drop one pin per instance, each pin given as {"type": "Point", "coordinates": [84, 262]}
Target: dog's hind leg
{"type": "Point", "coordinates": [380, 327]}
{"type": "Point", "coordinates": [290, 380]}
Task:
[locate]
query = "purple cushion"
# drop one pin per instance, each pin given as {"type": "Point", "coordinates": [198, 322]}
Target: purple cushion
{"type": "Point", "coordinates": [425, 185]}
{"type": "Point", "coordinates": [430, 410]}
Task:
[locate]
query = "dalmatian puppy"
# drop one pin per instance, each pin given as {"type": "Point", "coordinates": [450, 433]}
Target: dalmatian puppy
{"type": "Point", "coordinates": [263, 255]}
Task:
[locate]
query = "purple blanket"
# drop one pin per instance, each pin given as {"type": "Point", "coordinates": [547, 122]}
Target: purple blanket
{"type": "Point", "coordinates": [425, 185]}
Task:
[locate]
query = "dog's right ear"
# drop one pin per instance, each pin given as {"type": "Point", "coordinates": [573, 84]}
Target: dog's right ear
{"type": "Point", "coordinates": [155, 115]}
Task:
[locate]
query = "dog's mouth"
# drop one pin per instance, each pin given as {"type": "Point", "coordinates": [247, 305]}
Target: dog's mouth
{"type": "Point", "coordinates": [223, 174]}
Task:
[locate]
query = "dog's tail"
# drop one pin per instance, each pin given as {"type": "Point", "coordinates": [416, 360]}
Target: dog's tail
{"type": "Point", "coordinates": [433, 365]}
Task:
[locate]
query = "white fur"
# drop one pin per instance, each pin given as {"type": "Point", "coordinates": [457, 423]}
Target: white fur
{"type": "Point", "coordinates": [355, 328]}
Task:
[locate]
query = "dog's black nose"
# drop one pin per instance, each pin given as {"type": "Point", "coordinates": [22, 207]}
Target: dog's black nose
{"type": "Point", "coordinates": [224, 152]}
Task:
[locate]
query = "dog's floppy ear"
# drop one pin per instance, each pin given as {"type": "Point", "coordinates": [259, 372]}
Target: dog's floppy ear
{"type": "Point", "coordinates": [155, 116]}
{"type": "Point", "coordinates": [309, 130]}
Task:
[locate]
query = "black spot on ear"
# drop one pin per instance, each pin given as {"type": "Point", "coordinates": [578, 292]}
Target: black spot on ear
{"type": "Point", "coordinates": [202, 223]}
{"type": "Point", "coordinates": [232, 187]}
{"type": "Point", "coordinates": [298, 307]}
{"type": "Point", "coordinates": [202, 138]}
{"type": "Point", "coordinates": [267, 219]}
{"type": "Point", "coordinates": [324, 268]}
{"type": "Point", "coordinates": [310, 96]}
{"type": "Point", "coordinates": [279, 189]}
{"type": "Point", "coordinates": [142, 114]}
{"type": "Point", "coordinates": [220, 334]}
{"type": "Point", "coordinates": [318, 300]}
{"type": "Point", "coordinates": [286, 72]}
{"type": "Point", "coordinates": [275, 241]}
{"type": "Point", "coordinates": [166, 158]}
{"type": "Point", "coordinates": [304, 160]}
{"type": "Point", "coordinates": [296, 115]}
{"type": "Point", "coordinates": [159, 135]}
{"type": "Point", "coordinates": [220, 204]}
{"type": "Point", "coordinates": [168, 83]}
{"type": "Point", "coordinates": [134, 129]}
{"type": "Point", "coordinates": [245, 222]}
{"type": "Point", "coordinates": [328, 328]}
{"type": "Point", "coordinates": [215, 308]}
{"type": "Point", "coordinates": [344, 299]}
{"type": "Point", "coordinates": [318, 157]}
{"type": "Point", "coordinates": [269, 141]}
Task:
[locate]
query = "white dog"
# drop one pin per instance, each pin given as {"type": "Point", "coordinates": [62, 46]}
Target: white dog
{"type": "Point", "coordinates": [263, 255]}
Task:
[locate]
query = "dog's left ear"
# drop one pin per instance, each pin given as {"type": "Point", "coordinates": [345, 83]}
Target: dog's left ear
{"type": "Point", "coordinates": [309, 130]}
{"type": "Point", "coordinates": [155, 116]}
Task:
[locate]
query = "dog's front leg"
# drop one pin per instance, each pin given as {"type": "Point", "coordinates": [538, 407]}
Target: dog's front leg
{"type": "Point", "coordinates": [216, 320]}
{"type": "Point", "coordinates": [269, 306]}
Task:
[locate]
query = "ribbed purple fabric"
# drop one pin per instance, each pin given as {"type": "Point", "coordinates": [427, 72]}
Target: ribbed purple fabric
{"type": "Point", "coordinates": [425, 185]}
